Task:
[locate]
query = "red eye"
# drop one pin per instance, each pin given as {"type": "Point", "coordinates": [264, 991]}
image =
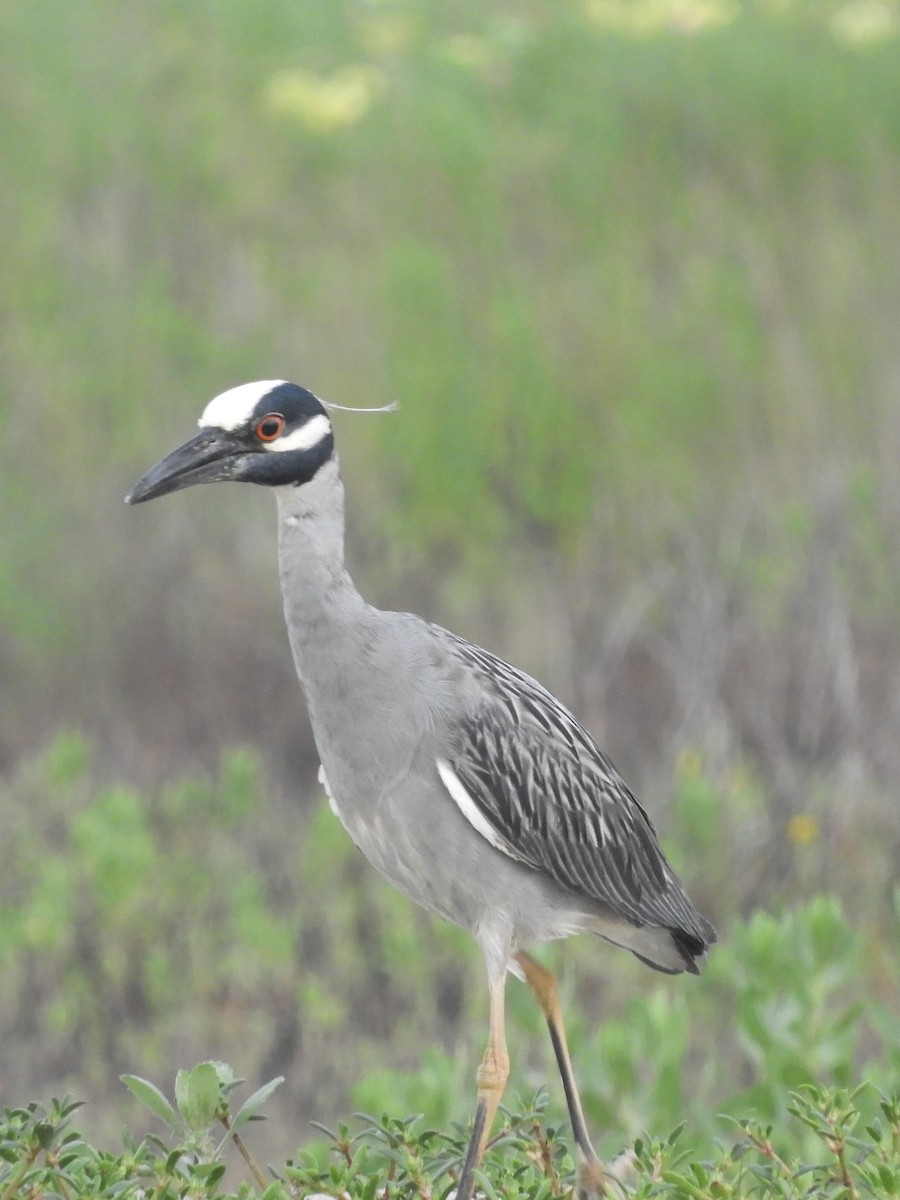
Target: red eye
{"type": "Point", "coordinates": [270, 427]}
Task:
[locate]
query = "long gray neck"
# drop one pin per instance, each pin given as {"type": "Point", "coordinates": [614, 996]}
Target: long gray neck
{"type": "Point", "coordinates": [319, 596]}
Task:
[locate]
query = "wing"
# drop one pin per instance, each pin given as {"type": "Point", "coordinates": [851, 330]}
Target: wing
{"type": "Point", "coordinates": [533, 782]}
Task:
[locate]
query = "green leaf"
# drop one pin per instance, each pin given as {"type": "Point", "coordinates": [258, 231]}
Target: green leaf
{"type": "Point", "coordinates": [198, 1095]}
{"type": "Point", "coordinates": [151, 1097]}
{"type": "Point", "coordinates": [209, 1172]}
{"type": "Point", "coordinates": [254, 1103]}
{"type": "Point", "coordinates": [275, 1191]}
{"type": "Point", "coordinates": [182, 1098]}
{"type": "Point", "coordinates": [675, 1134]}
{"type": "Point", "coordinates": [225, 1073]}
{"type": "Point", "coordinates": [889, 1178]}
{"type": "Point", "coordinates": [43, 1131]}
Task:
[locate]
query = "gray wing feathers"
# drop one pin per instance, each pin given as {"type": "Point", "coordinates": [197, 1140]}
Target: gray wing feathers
{"type": "Point", "coordinates": [558, 804]}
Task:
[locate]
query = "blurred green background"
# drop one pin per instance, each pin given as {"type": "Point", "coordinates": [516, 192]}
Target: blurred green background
{"type": "Point", "coordinates": [632, 268]}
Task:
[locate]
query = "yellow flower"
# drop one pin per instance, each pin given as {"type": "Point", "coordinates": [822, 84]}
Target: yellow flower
{"type": "Point", "coordinates": [803, 829]}
{"type": "Point", "coordinates": [324, 103]}
{"type": "Point", "coordinates": [865, 21]}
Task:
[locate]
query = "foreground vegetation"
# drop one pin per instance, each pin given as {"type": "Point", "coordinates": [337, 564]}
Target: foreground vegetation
{"type": "Point", "coordinates": [831, 1145]}
{"type": "Point", "coordinates": [165, 924]}
{"type": "Point", "coordinates": [139, 928]}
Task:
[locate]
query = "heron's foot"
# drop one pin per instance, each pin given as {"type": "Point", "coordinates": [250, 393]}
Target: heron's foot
{"type": "Point", "coordinates": [596, 1178]}
{"type": "Point", "coordinates": [592, 1178]}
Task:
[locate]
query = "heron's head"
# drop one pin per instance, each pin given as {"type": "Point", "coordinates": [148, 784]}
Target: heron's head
{"type": "Point", "coordinates": [271, 432]}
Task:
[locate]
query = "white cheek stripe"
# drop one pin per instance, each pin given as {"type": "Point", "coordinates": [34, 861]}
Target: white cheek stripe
{"type": "Point", "coordinates": [304, 438]}
{"type": "Point", "coordinates": [234, 407]}
{"type": "Point", "coordinates": [469, 808]}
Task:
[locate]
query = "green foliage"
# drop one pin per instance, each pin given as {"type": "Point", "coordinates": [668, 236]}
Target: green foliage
{"type": "Point", "coordinates": [202, 1109]}
{"type": "Point", "coordinates": [527, 1158]}
{"type": "Point", "coordinates": [132, 924]}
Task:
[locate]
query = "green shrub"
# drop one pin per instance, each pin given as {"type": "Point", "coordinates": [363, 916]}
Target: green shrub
{"type": "Point", "coordinates": [41, 1155]}
{"type": "Point", "coordinates": [180, 922]}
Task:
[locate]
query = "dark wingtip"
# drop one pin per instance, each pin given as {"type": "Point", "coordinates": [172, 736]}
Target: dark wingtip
{"type": "Point", "coordinates": [693, 946]}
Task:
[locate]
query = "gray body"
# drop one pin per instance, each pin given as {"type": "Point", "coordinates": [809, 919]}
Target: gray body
{"type": "Point", "coordinates": [387, 694]}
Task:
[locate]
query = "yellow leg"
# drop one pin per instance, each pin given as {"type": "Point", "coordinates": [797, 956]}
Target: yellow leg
{"type": "Point", "coordinates": [492, 1076]}
{"type": "Point", "coordinates": [591, 1174]}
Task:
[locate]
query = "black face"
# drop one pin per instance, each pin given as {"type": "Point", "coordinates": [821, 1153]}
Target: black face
{"type": "Point", "coordinates": [282, 438]}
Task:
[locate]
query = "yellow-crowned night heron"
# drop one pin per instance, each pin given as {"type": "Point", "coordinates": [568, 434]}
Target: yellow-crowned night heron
{"type": "Point", "coordinates": [460, 778]}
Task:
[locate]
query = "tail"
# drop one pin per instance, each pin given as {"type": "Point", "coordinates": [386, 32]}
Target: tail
{"type": "Point", "coordinates": [686, 947]}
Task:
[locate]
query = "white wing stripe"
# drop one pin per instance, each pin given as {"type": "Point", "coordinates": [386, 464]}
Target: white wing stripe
{"type": "Point", "coordinates": [332, 803]}
{"type": "Point", "coordinates": [469, 808]}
